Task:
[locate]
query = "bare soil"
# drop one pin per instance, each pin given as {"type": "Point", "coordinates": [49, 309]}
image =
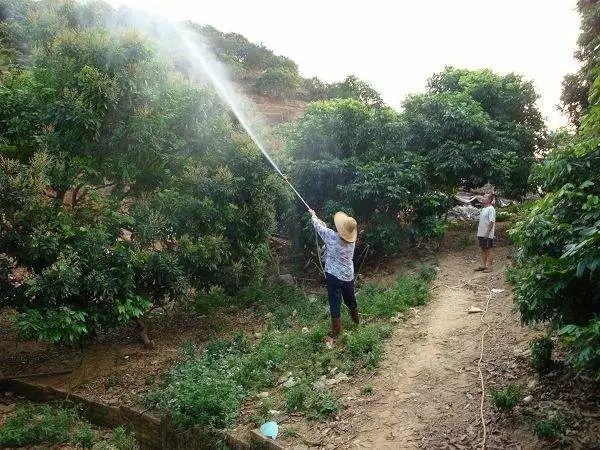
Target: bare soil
{"type": "Point", "coordinates": [117, 369]}
{"type": "Point", "coordinates": [427, 392]}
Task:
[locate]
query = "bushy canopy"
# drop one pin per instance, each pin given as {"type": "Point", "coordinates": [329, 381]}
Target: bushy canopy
{"type": "Point", "coordinates": [121, 183]}
{"type": "Point", "coordinates": [475, 127]}
{"type": "Point", "coordinates": [557, 274]}
{"type": "Point", "coordinates": [346, 156]}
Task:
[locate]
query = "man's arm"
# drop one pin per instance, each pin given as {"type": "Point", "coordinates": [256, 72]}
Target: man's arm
{"type": "Point", "coordinates": [325, 233]}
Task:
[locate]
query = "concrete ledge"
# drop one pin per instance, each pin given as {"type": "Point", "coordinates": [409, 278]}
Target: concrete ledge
{"type": "Point", "coordinates": [258, 441]}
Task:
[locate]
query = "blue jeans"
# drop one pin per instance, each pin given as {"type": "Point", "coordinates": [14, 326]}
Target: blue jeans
{"type": "Point", "coordinates": [338, 290]}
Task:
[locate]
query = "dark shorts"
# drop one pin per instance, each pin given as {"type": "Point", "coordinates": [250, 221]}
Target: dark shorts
{"type": "Point", "coordinates": [338, 290]}
{"type": "Point", "coordinates": [485, 242]}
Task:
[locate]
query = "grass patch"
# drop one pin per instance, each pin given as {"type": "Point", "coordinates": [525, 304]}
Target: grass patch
{"type": "Point", "coordinates": [367, 389]}
{"type": "Point", "coordinates": [32, 424]}
{"type": "Point", "coordinates": [386, 301]}
{"type": "Point", "coordinates": [506, 399]}
{"type": "Point", "coordinates": [550, 428]}
{"type": "Point", "coordinates": [541, 354]}
{"type": "Point", "coordinates": [317, 403]}
{"type": "Point", "coordinates": [208, 387]}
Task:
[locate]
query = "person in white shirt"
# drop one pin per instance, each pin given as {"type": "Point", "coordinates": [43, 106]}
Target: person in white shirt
{"type": "Point", "coordinates": [339, 267]}
{"type": "Point", "coordinates": [485, 232]}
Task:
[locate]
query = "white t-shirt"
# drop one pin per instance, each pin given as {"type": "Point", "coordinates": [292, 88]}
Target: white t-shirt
{"type": "Point", "coordinates": [487, 216]}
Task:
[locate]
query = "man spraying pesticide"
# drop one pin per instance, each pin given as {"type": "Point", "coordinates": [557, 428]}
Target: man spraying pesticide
{"type": "Point", "coordinates": [339, 264]}
{"type": "Point", "coordinates": [339, 267]}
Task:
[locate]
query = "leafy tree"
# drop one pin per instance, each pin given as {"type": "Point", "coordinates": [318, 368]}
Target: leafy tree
{"type": "Point", "coordinates": [557, 275]}
{"type": "Point", "coordinates": [346, 157]}
{"type": "Point", "coordinates": [279, 82]}
{"type": "Point", "coordinates": [576, 87]}
{"type": "Point", "coordinates": [475, 127]}
{"type": "Point", "coordinates": [121, 183]}
{"type": "Point", "coordinates": [352, 87]}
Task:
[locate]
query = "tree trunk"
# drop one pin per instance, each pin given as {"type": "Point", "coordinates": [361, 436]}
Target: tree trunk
{"type": "Point", "coordinates": [144, 334]}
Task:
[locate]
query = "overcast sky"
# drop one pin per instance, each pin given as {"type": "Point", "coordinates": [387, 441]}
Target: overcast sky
{"type": "Point", "coordinates": [397, 44]}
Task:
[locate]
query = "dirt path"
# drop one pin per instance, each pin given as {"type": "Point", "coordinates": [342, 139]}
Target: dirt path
{"type": "Point", "coordinates": [427, 391]}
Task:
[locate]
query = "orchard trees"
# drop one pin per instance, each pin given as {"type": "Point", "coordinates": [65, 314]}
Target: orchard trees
{"type": "Point", "coordinates": [347, 156]}
{"type": "Point", "coordinates": [475, 127]}
{"type": "Point", "coordinates": [557, 272]}
{"type": "Point", "coordinates": [122, 185]}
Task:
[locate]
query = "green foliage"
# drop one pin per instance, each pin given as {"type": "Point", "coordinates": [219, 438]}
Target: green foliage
{"type": "Point", "coordinates": [317, 403]}
{"type": "Point", "coordinates": [577, 86]}
{"type": "Point", "coordinates": [557, 273]}
{"type": "Point", "coordinates": [209, 387]}
{"type": "Point", "coordinates": [346, 157]}
{"type": "Point", "coordinates": [475, 127]}
{"type": "Point", "coordinates": [541, 354]}
{"type": "Point", "coordinates": [357, 89]}
{"type": "Point", "coordinates": [367, 389]}
{"type": "Point", "coordinates": [122, 184]}
{"type": "Point", "coordinates": [506, 399]}
{"type": "Point", "coordinates": [366, 343]}
{"type": "Point", "coordinates": [83, 436]}
{"type": "Point", "coordinates": [550, 428]}
{"type": "Point", "coordinates": [583, 342]}
{"type": "Point", "coordinates": [279, 82]}
{"type": "Point", "coordinates": [32, 424]}
{"type": "Point", "coordinates": [120, 439]}
{"type": "Point", "coordinates": [387, 301]}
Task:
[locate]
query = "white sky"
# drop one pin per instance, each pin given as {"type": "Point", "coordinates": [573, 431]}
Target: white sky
{"type": "Point", "coordinates": [397, 44]}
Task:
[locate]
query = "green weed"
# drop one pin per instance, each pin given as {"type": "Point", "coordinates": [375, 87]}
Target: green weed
{"type": "Point", "coordinates": [366, 343]}
{"type": "Point", "coordinates": [290, 432]}
{"type": "Point", "coordinates": [120, 439]}
{"type": "Point", "coordinates": [37, 424]}
{"type": "Point", "coordinates": [208, 387]}
{"type": "Point", "coordinates": [387, 301]}
{"type": "Point", "coordinates": [506, 399]}
{"type": "Point", "coordinates": [541, 354]}
{"type": "Point", "coordinates": [550, 428]}
{"type": "Point", "coordinates": [83, 436]}
{"type": "Point", "coordinates": [295, 398]}
{"type": "Point", "coordinates": [32, 424]}
{"type": "Point", "coordinates": [317, 403]}
{"type": "Point", "coordinates": [367, 389]}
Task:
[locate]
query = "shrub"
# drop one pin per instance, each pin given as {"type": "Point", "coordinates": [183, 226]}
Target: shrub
{"type": "Point", "coordinates": [83, 436]}
{"type": "Point", "coordinates": [507, 398]}
{"type": "Point", "coordinates": [318, 403]}
{"type": "Point", "coordinates": [541, 354]}
{"type": "Point", "coordinates": [33, 424]}
{"type": "Point", "coordinates": [550, 428]}
{"type": "Point", "coordinates": [584, 345]}
{"type": "Point", "coordinates": [557, 272]}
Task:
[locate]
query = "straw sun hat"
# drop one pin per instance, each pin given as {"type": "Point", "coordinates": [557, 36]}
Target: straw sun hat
{"type": "Point", "coordinates": [345, 226]}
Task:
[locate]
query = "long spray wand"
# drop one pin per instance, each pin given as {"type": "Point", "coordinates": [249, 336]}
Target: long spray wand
{"type": "Point", "coordinates": [213, 70]}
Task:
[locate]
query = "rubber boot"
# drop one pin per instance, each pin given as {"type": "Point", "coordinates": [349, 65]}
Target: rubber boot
{"type": "Point", "coordinates": [336, 326]}
{"type": "Point", "coordinates": [354, 315]}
